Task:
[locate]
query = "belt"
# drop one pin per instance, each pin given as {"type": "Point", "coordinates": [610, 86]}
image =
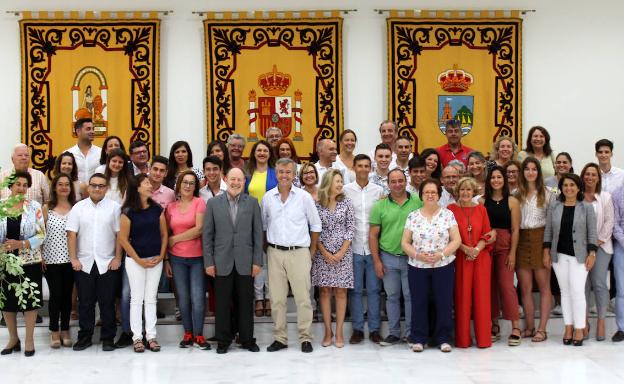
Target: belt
{"type": "Point", "coordinates": [282, 248]}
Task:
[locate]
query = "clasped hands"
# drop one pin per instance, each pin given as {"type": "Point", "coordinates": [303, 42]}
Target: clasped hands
{"type": "Point", "coordinates": [429, 257]}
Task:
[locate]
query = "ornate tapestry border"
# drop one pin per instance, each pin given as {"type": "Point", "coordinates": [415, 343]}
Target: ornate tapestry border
{"type": "Point", "coordinates": [506, 61]}
{"type": "Point", "coordinates": [38, 48]}
{"type": "Point", "coordinates": [328, 59]}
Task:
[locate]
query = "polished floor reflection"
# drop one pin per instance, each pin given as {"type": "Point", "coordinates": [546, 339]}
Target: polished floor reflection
{"type": "Point", "coordinates": [548, 362]}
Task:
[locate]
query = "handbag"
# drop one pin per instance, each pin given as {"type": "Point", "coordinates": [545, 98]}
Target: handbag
{"type": "Point", "coordinates": [30, 256]}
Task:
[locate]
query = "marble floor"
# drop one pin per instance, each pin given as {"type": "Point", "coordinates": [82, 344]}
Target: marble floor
{"type": "Point", "coordinates": [531, 363]}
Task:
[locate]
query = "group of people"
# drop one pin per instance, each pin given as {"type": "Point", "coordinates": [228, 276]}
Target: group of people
{"type": "Point", "coordinates": [443, 232]}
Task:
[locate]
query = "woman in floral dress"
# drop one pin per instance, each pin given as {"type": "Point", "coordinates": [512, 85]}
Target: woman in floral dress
{"type": "Point", "coordinates": [332, 267]}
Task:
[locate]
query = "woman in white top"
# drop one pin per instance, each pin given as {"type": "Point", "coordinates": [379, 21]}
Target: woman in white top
{"type": "Point", "coordinates": [430, 239]}
{"type": "Point", "coordinates": [117, 174]}
{"type": "Point", "coordinates": [56, 263]}
{"type": "Point", "coordinates": [538, 146]}
{"type": "Point", "coordinates": [348, 140]}
{"type": "Point", "coordinates": [605, 219]}
{"type": "Point", "coordinates": [534, 201]}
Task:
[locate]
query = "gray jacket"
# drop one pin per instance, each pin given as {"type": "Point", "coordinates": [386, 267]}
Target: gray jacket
{"type": "Point", "coordinates": [584, 230]}
{"type": "Point", "coordinates": [227, 245]}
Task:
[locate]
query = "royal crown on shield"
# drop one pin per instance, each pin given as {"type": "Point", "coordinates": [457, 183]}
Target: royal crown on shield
{"type": "Point", "coordinates": [455, 80]}
{"type": "Point", "coordinates": [274, 109]}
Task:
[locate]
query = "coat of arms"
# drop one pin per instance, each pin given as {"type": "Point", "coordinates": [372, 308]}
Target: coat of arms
{"type": "Point", "coordinates": [455, 107]}
{"type": "Point", "coordinates": [275, 108]}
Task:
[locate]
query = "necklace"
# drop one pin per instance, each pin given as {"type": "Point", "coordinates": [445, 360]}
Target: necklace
{"type": "Point", "coordinates": [468, 218]}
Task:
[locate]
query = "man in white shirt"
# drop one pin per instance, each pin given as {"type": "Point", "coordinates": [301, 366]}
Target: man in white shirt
{"type": "Point", "coordinates": [403, 152]}
{"type": "Point", "coordinates": [92, 227]}
{"type": "Point", "coordinates": [417, 174]}
{"type": "Point", "coordinates": [449, 178]}
{"type": "Point", "coordinates": [139, 156]}
{"type": "Point", "coordinates": [213, 174]}
{"type": "Point", "coordinates": [327, 151]}
{"type": "Point", "coordinates": [612, 177]}
{"type": "Point", "coordinates": [39, 190]}
{"type": "Point", "coordinates": [388, 132]}
{"type": "Point", "coordinates": [363, 194]}
{"type": "Point", "coordinates": [292, 226]}
{"type": "Point", "coordinates": [379, 175]}
{"type": "Point", "coordinates": [87, 154]}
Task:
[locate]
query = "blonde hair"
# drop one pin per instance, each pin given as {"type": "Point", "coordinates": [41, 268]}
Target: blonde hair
{"type": "Point", "coordinates": [471, 181]}
{"type": "Point", "coordinates": [496, 146]}
{"type": "Point", "coordinates": [326, 184]}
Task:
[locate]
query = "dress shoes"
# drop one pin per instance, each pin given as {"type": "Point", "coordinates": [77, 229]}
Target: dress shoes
{"type": "Point", "coordinates": [124, 340]}
{"type": "Point", "coordinates": [82, 344]}
{"type": "Point", "coordinates": [306, 347]}
{"type": "Point", "coordinates": [375, 337]}
{"type": "Point", "coordinates": [15, 348]}
{"type": "Point", "coordinates": [251, 347]}
{"type": "Point", "coordinates": [356, 337]}
{"type": "Point", "coordinates": [276, 346]}
{"type": "Point", "coordinates": [108, 345]}
{"type": "Point", "coordinates": [222, 348]}
{"type": "Point", "coordinates": [29, 353]}
{"type": "Point", "coordinates": [618, 336]}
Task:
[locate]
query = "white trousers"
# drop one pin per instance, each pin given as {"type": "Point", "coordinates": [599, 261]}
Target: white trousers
{"type": "Point", "coordinates": [143, 289]}
{"type": "Point", "coordinates": [572, 276]}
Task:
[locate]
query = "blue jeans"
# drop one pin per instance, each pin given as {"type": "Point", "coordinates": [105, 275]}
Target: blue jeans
{"type": "Point", "coordinates": [618, 270]}
{"type": "Point", "coordinates": [395, 279]}
{"type": "Point", "coordinates": [125, 299]}
{"type": "Point", "coordinates": [364, 271]}
{"type": "Point", "coordinates": [189, 278]}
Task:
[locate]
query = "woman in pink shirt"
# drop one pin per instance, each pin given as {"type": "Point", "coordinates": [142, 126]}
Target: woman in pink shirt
{"type": "Point", "coordinates": [185, 218]}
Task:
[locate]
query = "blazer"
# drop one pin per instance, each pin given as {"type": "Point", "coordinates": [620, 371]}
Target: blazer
{"type": "Point", "coordinates": [605, 217]}
{"type": "Point", "coordinates": [227, 245]}
{"type": "Point", "coordinates": [584, 229]}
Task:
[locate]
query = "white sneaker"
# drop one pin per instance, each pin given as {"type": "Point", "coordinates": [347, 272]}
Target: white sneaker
{"type": "Point", "coordinates": [557, 310]}
{"type": "Point", "coordinates": [417, 347]}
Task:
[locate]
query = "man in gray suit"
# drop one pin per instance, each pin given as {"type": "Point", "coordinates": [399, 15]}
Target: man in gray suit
{"type": "Point", "coordinates": [233, 240]}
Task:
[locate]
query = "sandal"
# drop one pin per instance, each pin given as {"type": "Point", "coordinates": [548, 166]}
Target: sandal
{"type": "Point", "coordinates": [138, 346]}
{"type": "Point", "coordinates": [267, 308]}
{"type": "Point", "coordinates": [259, 310]}
{"type": "Point", "coordinates": [540, 336]}
{"type": "Point", "coordinates": [514, 340]}
{"type": "Point", "coordinates": [495, 332]}
{"type": "Point", "coordinates": [528, 333]}
{"type": "Point", "coordinates": [153, 345]}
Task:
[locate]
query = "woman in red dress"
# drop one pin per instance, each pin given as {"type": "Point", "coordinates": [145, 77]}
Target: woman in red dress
{"type": "Point", "coordinates": [473, 267]}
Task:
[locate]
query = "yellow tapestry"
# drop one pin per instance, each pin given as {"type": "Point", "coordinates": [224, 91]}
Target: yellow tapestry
{"type": "Point", "coordinates": [274, 72]}
{"type": "Point", "coordinates": [106, 70]}
{"type": "Point", "coordinates": [467, 69]}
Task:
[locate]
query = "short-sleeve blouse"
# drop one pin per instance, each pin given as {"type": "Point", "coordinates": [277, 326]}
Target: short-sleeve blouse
{"type": "Point", "coordinates": [430, 235]}
{"type": "Point", "coordinates": [55, 245]}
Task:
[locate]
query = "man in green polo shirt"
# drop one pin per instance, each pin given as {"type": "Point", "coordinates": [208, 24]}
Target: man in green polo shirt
{"type": "Point", "coordinates": [387, 219]}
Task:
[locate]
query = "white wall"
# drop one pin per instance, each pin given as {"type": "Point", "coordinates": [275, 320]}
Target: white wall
{"type": "Point", "coordinates": [573, 52]}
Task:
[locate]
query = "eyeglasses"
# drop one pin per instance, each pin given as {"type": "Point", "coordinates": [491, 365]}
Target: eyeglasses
{"type": "Point", "coordinates": [142, 152]}
{"type": "Point", "coordinates": [309, 173]}
{"type": "Point", "coordinates": [97, 186]}
{"type": "Point", "coordinates": [188, 183]}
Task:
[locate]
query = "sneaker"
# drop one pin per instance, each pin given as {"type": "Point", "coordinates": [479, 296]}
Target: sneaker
{"type": "Point", "coordinates": [178, 314]}
{"type": "Point", "coordinates": [557, 310]}
{"type": "Point", "coordinates": [375, 337]}
{"type": "Point", "coordinates": [125, 340]}
{"type": "Point", "coordinates": [390, 340]}
{"type": "Point", "coordinates": [201, 343]}
{"type": "Point", "coordinates": [187, 340]}
{"type": "Point", "coordinates": [617, 337]}
{"type": "Point", "coordinates": [445, 347]}
{"type": "Point", "coordinates": [418, 347]}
